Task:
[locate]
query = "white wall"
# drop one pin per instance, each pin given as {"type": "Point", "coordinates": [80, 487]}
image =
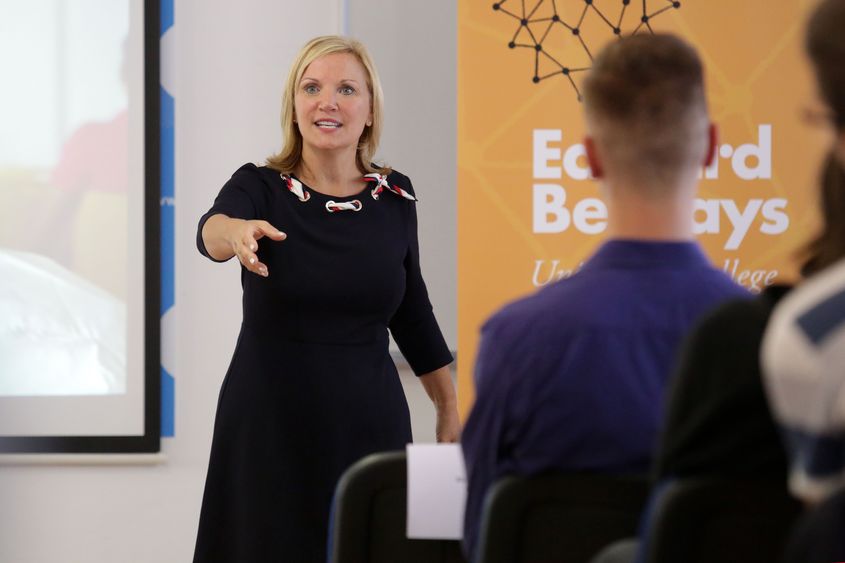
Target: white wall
{"type": "Point", "coordinates": [414, 46]}
{"type": "Point", "coordinates": [230, 59]}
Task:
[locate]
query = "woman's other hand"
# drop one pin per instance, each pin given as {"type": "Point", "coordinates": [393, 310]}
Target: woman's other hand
{"type": "Point", "coordinates": [448, 425]}
{"type": "Point", "coordinates": [438, 385]}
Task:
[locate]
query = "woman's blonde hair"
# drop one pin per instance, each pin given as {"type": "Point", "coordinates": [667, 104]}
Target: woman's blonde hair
{"type": "Point", "coordinates": [291, 153]}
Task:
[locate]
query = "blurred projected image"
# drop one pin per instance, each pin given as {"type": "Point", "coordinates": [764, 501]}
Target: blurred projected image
{"type": "Point", "coordinates": [64, 197]}
{"type": "Point", "coordinates": [59, 333]}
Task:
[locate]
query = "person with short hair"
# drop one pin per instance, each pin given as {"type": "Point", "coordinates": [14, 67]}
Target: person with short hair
{"type": "Point", "coordinates": [572, 377]}
{"type": "Point", "coordinates": [312, 387]}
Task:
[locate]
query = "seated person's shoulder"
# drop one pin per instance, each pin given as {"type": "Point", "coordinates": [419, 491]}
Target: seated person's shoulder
{"type": "Point", "coordinates": [823, 291]}
{"type": "Point", "coordinates": [743, 309]}
{"type": "Point", "coordinates": [803, 345]}
{"type": "Point", "coordinates": [811, 318]}
{"type": "Point", "coordinates": [542, 310]}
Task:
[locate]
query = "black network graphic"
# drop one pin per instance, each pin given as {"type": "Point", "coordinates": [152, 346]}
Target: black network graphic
{"type": "Point", "coordinates": [545, 31]}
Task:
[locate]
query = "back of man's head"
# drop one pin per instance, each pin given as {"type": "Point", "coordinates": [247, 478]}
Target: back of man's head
{"type": "Point", "coordinates": [647, 112]}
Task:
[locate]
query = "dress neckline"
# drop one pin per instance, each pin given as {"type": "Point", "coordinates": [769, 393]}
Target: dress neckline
{"type": "Point", "coordinates": [364, 187]}
{"type": "Point", "coordinates": [374, 183]}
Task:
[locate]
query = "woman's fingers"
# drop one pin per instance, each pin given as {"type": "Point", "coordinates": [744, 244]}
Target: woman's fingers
{"type": "Point", "coordinates": [266, 229]}
{"type": "Point", "coordinates": [246, 244]}
{"type": "Point", "coordinates": [261, 269]}
{"type": "Point", "coordinates": [251, 263]}
{"type": "Point", "coordinates": [246, 252]}
{"type": "Point", "coordinates": [448, 426]}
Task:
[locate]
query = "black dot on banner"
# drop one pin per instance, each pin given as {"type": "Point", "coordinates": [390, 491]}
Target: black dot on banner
{"type": "Point", "coordinates": [540, 65]}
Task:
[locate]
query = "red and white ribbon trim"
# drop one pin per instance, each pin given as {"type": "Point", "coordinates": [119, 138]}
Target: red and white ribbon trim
{"type": "Point", "coordinates": [335, 206]}
{"type": "Point", "coordinates": [295, 187]}
{"type": "Point", "coordinates": [382, 184]}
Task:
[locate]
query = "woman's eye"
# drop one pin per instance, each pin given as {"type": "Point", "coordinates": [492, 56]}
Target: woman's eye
{"type": "Point", "coordinates": [347, 90]}
{"type": "Point", "coordinates": [311, 89]}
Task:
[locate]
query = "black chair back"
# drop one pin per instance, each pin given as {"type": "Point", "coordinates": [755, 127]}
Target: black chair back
{"type": "Point", "coordinates": [562, 518]}
{"type": "Point", "coordinates": [730, 521]}
{"type": "Point", "coordinates": [819, 535]}
{"type": "Point", "coordinates": [369, 516]}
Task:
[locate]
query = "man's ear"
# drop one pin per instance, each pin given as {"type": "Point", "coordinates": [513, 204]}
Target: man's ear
{"type": "Point", "coordinates": [840, 147]}
{"type": "Point", "coordinates": [593, 159]}
{"type": "Point", "coordinates": [712, 144]}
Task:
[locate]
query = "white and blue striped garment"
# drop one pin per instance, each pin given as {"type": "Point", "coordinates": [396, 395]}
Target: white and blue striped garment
{"type": "Point", "coordinates": [803, 359]}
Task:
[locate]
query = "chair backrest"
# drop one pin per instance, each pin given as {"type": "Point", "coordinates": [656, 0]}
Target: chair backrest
{"type": "Point", "coordinates": [369, 516]}
{"type": "Point", "coordinates": [725, 520]}
{"type": "Point", "coordinates": [819, 536]}
{"type": "Point", "coordinates": [566, 518]}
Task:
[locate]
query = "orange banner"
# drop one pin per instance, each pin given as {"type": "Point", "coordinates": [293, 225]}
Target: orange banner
{"type": "Point", "coordinates": [528, 212]}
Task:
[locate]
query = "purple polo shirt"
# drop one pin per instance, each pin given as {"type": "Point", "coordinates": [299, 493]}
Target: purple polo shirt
{"type": "Point", "coordinates": [572, 377]}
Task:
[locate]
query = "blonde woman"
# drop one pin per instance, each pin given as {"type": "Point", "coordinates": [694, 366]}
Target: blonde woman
{"type": "Point", "coordinates": [327, 241]}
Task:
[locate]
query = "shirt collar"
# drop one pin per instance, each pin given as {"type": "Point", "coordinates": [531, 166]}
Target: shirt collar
{"type": "Point", "coordinates": [642, 254]}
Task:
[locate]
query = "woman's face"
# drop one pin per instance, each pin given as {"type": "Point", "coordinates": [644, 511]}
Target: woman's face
{"type": "Point", "coordinates": [332, 103]}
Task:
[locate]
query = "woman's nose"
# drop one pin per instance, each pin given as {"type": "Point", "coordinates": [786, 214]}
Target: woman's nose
{"type": "Point", "coordinates": [328, 101]}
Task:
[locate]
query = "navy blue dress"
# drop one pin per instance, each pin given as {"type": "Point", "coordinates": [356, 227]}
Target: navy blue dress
{"type": "Point", "coordinates": [311, 387]}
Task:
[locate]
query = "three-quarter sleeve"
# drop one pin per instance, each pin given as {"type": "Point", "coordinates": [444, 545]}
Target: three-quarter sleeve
{"type": "Point", "coordinates": [239, 198]}
{"type": "Point", "coordinates": [414, 326]}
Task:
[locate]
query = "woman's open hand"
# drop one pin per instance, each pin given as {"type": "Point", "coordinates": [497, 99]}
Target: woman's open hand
{"type": "Point", "coordinates": [225, 237]}
{"type": "Point", "coordinates": [243, 236]}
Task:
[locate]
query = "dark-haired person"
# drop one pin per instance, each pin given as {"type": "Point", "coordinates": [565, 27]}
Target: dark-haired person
{"type": "Point", "coordinates": [312, 387]}
{"type": "Point", "coordinates": [572, 378]}
{"type": "Point", "coordinates": [804, 346]}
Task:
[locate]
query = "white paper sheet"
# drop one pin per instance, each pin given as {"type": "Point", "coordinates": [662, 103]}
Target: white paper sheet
{"type": "Point", "coordinates": [437, 491]}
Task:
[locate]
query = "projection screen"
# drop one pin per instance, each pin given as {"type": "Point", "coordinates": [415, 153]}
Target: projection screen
{"type": "Point", "coordinates": [79, 226]}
